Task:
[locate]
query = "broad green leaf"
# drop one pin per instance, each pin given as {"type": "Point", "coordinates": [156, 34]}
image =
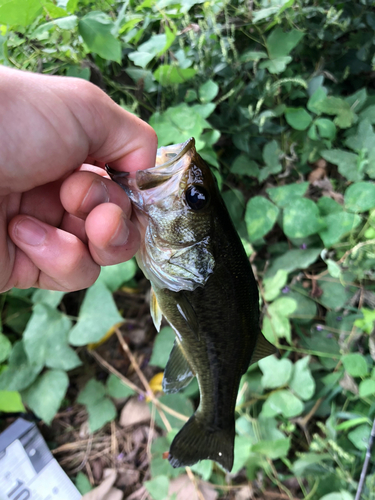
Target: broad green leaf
{"type": "Point", "coordinates": [283, 306]}
{"type": "Point", "coordinates": [276, 65]}
{"type": "Point", "coordinates": [302, 382]}
{"type": "Point", "coordinates": [48, 297]}
{"type": "Point", "coordinates": [173, 75]}
{"type": "Point", "coordinates": [294, 259]}
{"type": "Point", "coordinates": [148, 50]}
{"type": "Point", "coordinates": [98, 313]}
{"type": "Point", "coordinates": [283, 195]}
{"type": "Point", "coordinates": [177, 402]}
{"type": "Point", "coordinates": [243, 165]}
{"type": "Point", "coordinates": [204, 110]}
{"type": "Point", "coordinates": [347, 163]}
{"type": "Point", "coordinates": [305, 309]}
{"type": "Point", "coordinates": [271, 153]}
{"type": "Point", "coordinates": [83, 484]}
{"type": "Point", "coordinates": [363, 139]}
{"type": "Point", "coordinates": [334, 294]}
{"type": "Point", "coordinates": [345, 117]}
{"type": "Point", "coordinates": [45, 395]}
{"type": "Point", "coordinates": [92, 392]}
{"type": "Point", "coordinates": [20, 373]}
{"type": "Point", "coordinates": [114, 276]}
{"type": "Point", "coordinates": [342, 495]}
{"type": "Point", "coordinates": [355, 364]}
{"type": "Point", "coordinates": [337, 225]}
{"type": "Point", "coordinates": [308, 459]}
{"type": "Point", "coordinates": [275, 327]}
{"type": "Point", "coordinates": [160, 466]}
{"type": "Point", "coordinates": [368, 114]}
{"type": "Point", "coordinates": [357, 100]}
{"type": "Point", "coordinates": [328, 206]}
{"type": "Point", "coordinates": [162, 347]}
{"type": "Point", "coordinates": [204, 469]}
{"type": "Point", "coordinates": [100, 413]}
{"type": "Point", "coordinates": [251, 55]}
{"type": "Point", "coordinates": [367, 388]}
{"type": "Point", "coordinates": [360, 197]}
{"type": "Point", "coordinates": [78, 72]}
{"type": "Point", "coordinates": [282, 402]}
{"type": "Point", "coordinates": [260, 217]}
{"type": "Point", "coordinates": [301, 219]}
{"type": "Point", "coordinates": [117, 389]}
{"type": "Point", "coordinates": [10, 401]}
{"type": "Point", "coordinates": [158, 487]}
{"type": "Point", "coordinates": [96, 30]}
{"type": "Point", "coordinates": [273, 285]}
{"type": "Point", "coordinates": [208, 91]}
{"type": "Point", "coordinates": [19, 12]}
{"type": "Point", "coordinates": [360, 436]}
{"type": "Point", "coordinates": [273, 449]}
{"type": "Point", "coordinates": [5, 348]}
{"type": "Point", "coordinates": [333, 268]}
{"type": "Point", "coordinates": [298, 118]}
{"type": "Point", "coordinates": [327, 129]}
{"type": "Point", "coordinates": [276, 372]}
{"type": "Point", "coordinates": [320, 94]}
{"type": "Point", "coordinates": [280, 44]}
{"type": "Point", "coordinates": [366, 323]}
{"type": "Point", "coordinates": [46, 339]}
{"type": "Point", "coordinates": [242, 447]}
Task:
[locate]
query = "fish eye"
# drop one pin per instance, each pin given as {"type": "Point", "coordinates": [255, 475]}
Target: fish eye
{"type": "Point", "coordinates": [197, 197]}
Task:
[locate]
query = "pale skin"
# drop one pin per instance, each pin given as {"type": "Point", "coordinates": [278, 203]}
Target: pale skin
{"type": "Point", "coordinates": [61, 217]}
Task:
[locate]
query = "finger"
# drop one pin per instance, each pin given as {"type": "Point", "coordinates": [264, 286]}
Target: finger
{"type": "Point", "coordinates": [82, 191]}
{"type": "Point", "coordinates": [74, 225]}
{"type": "Point", "coordinates": [113, 238]}
{"type": "Point", "coordinates": [54, 259]}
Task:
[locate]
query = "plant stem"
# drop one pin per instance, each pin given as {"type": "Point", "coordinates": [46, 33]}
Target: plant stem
{"type": "Point", "coordinates": [365, 463]}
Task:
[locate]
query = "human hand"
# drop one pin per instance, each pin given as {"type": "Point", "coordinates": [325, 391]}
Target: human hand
{"type": "Point", "coordinates": [59, 225]}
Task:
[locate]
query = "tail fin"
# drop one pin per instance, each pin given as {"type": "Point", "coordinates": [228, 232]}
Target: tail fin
{"type": "Point", "coordinates": [196, 441]}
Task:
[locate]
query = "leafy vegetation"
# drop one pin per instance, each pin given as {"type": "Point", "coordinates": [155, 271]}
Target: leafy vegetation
{"type": "Point", "coordinates": [279, 95]}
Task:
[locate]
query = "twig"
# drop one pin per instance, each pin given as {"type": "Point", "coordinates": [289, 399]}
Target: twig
{"type": "Point", "coordinates": [366, 463]}
{"type": "Point", "coordinates": [192, 478]}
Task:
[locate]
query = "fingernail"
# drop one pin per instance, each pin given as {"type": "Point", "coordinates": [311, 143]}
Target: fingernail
{"type": "Point", "coordinates": [121, 235]}
{"type": "Point", "coordinates": [97, 194]}
{"type": "Point", "coordinates": [30, 232]}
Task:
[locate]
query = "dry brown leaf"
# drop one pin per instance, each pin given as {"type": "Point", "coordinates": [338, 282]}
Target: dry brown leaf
{"type": "Point", "coordinates": [371, 345]}
{"type": "Point", "coordinates": [245, 493]}
{"type": "Point", "coordinates": [347, 383]}
{"type": "Point", "coordinates": [134, 412]}
{"type": "Point", "coordinates": [105, 490]}
{"type": "Point", "coordinates": [185, 489]}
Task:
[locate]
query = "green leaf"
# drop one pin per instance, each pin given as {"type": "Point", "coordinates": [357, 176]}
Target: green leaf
{"type": "Point", "coordinates": [177, 402]}
{"type": "Point", "coordinates": [162, 347]}
{"type": "Point", "coordinates": [298, 118]}
{"type": "Point", "coordinates": [273, 285]}
{"type": "Point", "coordinates": [83, 484]}
{"type": "Point", "coordinates": [19, 12]}
{"type": "Point", "coordinates": [347, 163]}
{"type": "Point", "coordinates": [204, 469]}
{"type": "Point", "coordinates": [360, 436]}
{"type": "Point", "coordinates": [271, 153]}
{"type": "Point", "coordinates": [99, 408]}
{"type": "Point", "coordinates": [363, 139]}
{"type": "Point", "coordinates": [173, 75]}
{"type": "Point", "coordinates": [308, 459]}
{"type": "Point", "coordinates": [117, 389]}
{"type": "Point", "coordinates": [251, 55]}
{"type": "Point", "coordinates": [208, 91]}
{"type": "Point", "coordinates": [243, 165]}
{"type": "Point", "coordinates": [48, 297]}
{"type": "Point", "coordinates": [327, 129]}
{"type": "Point", "coordinates": [276, 372]}
{"type": "Point", "coordinates": [302, 382]}
{"type": "Point", "coordinates": [45, 395]}
{"type": "Point", "coordinates": [366, 323]}
{"type": "Point", "coordinates": [20, 373]}
{"type": "Point", "coordinates": [276, 323]}
{"type": "Point", "coordinates": [10, 401]}
{"type": "Point", "coordinates": [272, 449]}
{"type": "Point", "coordinates": [368, 114]}
{"type": "Point", "coordinates": [260, 217]}
{"type": "Point", "coordinates": [306, 307]}
{"type": "Point", "coordinates": [283, 195]}
{"type": "Point", "coordinates": [96, 30]}
{"type": "Point", "coordinates": [334, 295]}
{"type": "Point", "coordinates": [301, 219]}
{"type": "Point", "coordinates": [367, 388]}
{"type": "Point", "coordinates": [282, 402]}
{"type": "Point", "coordinates": [345, 117]}
{"type": "Point", "coordinates": [355, 364]}
{"type": "Point", "coordinates": [160, 466]}
{"type": "Point", "coordinates": [158, 487]}
{"type": "Point", "coordinates": [277, 65]}
{"type": "Point", "coordinates": [46, 339]}
{"type": "Point", "coordinates": [360, 197]}
{"type": "Point", "coordinates": [280, 44]}
{"type": "Point", "coordinates": [114, 276]}
{"type": "Point", "coordinates": [338, 225]}
{"type": "Point", "coordinates": [328, 206]}
{"type": "Point", "coordinates": [97, 315]}
{"type": "Point", "coordinates": [242, 447]}
{"type": "Point", "coordinates": [357, 100]}
{"type": "Point", "coordinates": [294, 259]}
{"type": "Point", "coordinates": [5, 348]}
{"type": "Point", "coordinates": [319, 95]}
{"type": "Point", "coordinates": [93, 392]}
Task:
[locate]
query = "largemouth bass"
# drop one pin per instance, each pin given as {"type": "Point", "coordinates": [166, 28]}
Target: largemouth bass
{"type": "Point", "coordinates": [202, 282]}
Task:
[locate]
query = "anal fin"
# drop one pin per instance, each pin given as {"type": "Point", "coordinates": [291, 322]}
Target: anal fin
{"type": "Point", "coordinates": [263, 349]}
{"type": "Point", "coordinates": [178, 373]}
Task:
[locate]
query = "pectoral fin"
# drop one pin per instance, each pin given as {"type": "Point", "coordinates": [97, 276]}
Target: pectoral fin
{"type": "Point", "coordinates": [263, 349]}
{"type": "Point", "coordinates": [155, 310]}
{"type": "Point", "coordinates": [178, 373]}
{"type": "Point", "coordinates": [188, 313]}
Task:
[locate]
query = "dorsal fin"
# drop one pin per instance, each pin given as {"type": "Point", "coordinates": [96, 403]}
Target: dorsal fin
{"type": "Point", "coordinates": [178, 373]}
{"type": "Point", "coordinates": [263, 349]}
{"type": "Point", "coordinates": [155, 310]}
